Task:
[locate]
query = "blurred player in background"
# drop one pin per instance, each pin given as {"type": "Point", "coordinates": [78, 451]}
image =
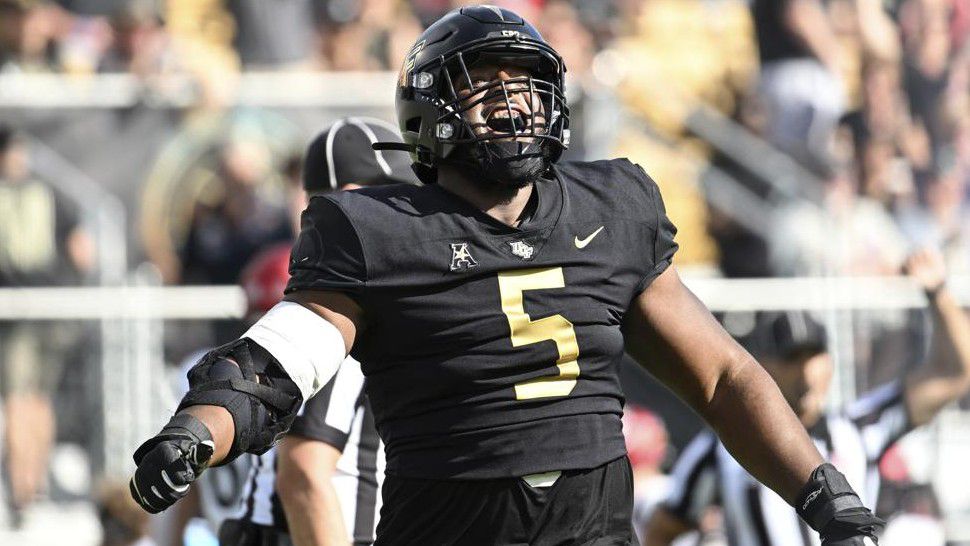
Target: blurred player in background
{"type": "Point", "coordinates": [42, 243]}
{"type": "Point", "coordinates": [647, 445]}
{"type": "Point", "coordinates": [907, 501]}
{"type": "Point", "coordinates": [793, 348]}
{"type": "Point", "coordinates": [326, 474]}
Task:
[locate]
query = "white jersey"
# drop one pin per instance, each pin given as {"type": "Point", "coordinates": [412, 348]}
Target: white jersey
{"type": "Point", "coordinates": [754, 515]}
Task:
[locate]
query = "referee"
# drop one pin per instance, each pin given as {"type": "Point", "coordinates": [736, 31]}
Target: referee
{"type": "Point", "coordinates": [321, 485]}
{"type": "Point", "coordinates": [853, 439]}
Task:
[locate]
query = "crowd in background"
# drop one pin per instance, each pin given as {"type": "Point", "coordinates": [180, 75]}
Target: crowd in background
{"type": "Point", "coordinates": [870, 97]}
{"type": "Point", "coordinates": [867, 101]}
{"type": "Point", "coordinates": [148, 37]}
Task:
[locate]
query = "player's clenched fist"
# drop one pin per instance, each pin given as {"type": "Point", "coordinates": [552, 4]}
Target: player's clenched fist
{"type": "Point", "coordinates": [169, 462]}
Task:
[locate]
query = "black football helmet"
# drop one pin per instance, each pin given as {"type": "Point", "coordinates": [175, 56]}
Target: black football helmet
{"type": "Point", "coordinates": [429, 108]}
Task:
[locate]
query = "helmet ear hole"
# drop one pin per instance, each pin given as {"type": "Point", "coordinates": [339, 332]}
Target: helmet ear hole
{"type": "Point", "coordinates": [413, 125]}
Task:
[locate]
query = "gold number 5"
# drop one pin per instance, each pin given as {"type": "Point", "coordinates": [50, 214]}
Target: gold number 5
{"type": "Point", "coordinates": [525, 331]}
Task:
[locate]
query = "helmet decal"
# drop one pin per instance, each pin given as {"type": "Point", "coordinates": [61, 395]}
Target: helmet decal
{"type": "Point", "coordinates": [408, 65]}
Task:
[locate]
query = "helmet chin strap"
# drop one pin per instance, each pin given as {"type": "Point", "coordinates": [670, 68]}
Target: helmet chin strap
{"type": "Point", "coordinates": [509, 164]}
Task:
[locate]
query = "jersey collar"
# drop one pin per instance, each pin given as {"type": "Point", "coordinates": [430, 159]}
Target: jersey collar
{"type": "Point", "coordinates": [548, 193]}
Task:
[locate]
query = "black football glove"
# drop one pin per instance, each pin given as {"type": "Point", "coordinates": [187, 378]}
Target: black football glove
{"type": "Point", "coordinates": [169, 462]}
{"type": "Point", "coordinates": [831, 507]}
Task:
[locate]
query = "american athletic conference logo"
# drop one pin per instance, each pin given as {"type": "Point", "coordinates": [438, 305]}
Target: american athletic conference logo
{"type": "Point", "coordinates": [461, 258]}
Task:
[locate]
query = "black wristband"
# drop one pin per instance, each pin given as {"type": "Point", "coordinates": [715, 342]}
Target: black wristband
{"type": "Point", "coordinates": [180, 426]}
{"type": "Point", "coordinates": [189, 423]}
{"type": "Point", "coordinates": [826, 493]}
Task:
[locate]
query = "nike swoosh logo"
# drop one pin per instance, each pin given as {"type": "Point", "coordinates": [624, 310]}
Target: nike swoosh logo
{"type": "Point", "coordinates": [581, 243]}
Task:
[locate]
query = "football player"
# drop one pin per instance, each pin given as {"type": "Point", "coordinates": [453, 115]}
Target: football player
{"type": "Point", "coordinates": [490, 309]}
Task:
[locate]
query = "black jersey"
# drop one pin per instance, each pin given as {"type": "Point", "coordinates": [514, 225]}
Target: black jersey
{"type": "Point", "coordinates": [492, 351]}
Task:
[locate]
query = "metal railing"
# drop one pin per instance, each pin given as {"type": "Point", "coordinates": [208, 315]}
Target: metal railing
{"type": "Point", "coordinates": [266, 89]}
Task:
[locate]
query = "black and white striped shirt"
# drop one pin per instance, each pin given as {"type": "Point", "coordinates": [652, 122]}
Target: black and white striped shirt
{"type": "Point", "coordinates": [339, 415]}
{"type": "Point", "coordinates": [853, 440]}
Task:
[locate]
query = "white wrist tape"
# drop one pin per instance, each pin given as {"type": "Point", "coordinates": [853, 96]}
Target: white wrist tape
{"type": "Point", "coordinates": [309, 348]}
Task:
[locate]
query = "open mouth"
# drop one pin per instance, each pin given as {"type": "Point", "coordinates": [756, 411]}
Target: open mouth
{"type": "Point", "coordinates": [499, 120]}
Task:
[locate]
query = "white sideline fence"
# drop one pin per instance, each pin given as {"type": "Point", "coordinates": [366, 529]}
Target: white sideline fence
{"type": "Point", "coordinates": [221, 302]}
{"type": "Point", "coordinates": [134, 302]}
{"type": "Point", "coordinates": [264, 89]}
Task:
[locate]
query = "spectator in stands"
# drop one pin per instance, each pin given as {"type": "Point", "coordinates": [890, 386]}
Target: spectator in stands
{"type": "Point", "coordinates": [139, 44]}
{"type": "Point", "coordinates": [926, 55]}
{"type": "Point", "coordinates": [562, 27]}
{"type": "Point", "coordinates": [799, 66]}
{"type": "Point", "coordinates": [846, 234]}
{"type": "Point", "coordinates": [273, 35]}
{"type": "Point", "coordinates": [887, 144]}
{"type": "Point", "coordinates": [942, 218]}
{"type": "Point", "coordinates": [238, 219]}
{"type": "Point", "coordinates": [369, 35]}
{"type": "Point", "coordinates": [42, 243]}
{"type": "Point", "coordinates": [28, 36]}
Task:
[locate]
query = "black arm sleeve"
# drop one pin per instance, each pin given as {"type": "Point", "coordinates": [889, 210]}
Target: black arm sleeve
{"type": "Point", "coordinates": [328, 254]}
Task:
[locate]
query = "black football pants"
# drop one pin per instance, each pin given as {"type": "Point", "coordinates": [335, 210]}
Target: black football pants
{"type": "Point", "coordinates": [583, 507]}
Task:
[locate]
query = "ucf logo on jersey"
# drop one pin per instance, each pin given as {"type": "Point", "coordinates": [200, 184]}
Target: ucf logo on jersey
{"type": "Point", "coordinates": [522, 249]}
{"type": "Point", "coordinates": [461, 258]}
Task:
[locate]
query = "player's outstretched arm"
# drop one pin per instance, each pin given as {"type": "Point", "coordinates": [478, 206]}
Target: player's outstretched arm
{"type": "Point", "coordinates": [675, 337]}
{"type": "Point", "coordinates": [945, 376]}
{"type": "Point", "coordinates": [670, 332]}
{"type": "Point", "coordinates": [305, 471]}
{"type": "Point", "coordinates": [245, 394]}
